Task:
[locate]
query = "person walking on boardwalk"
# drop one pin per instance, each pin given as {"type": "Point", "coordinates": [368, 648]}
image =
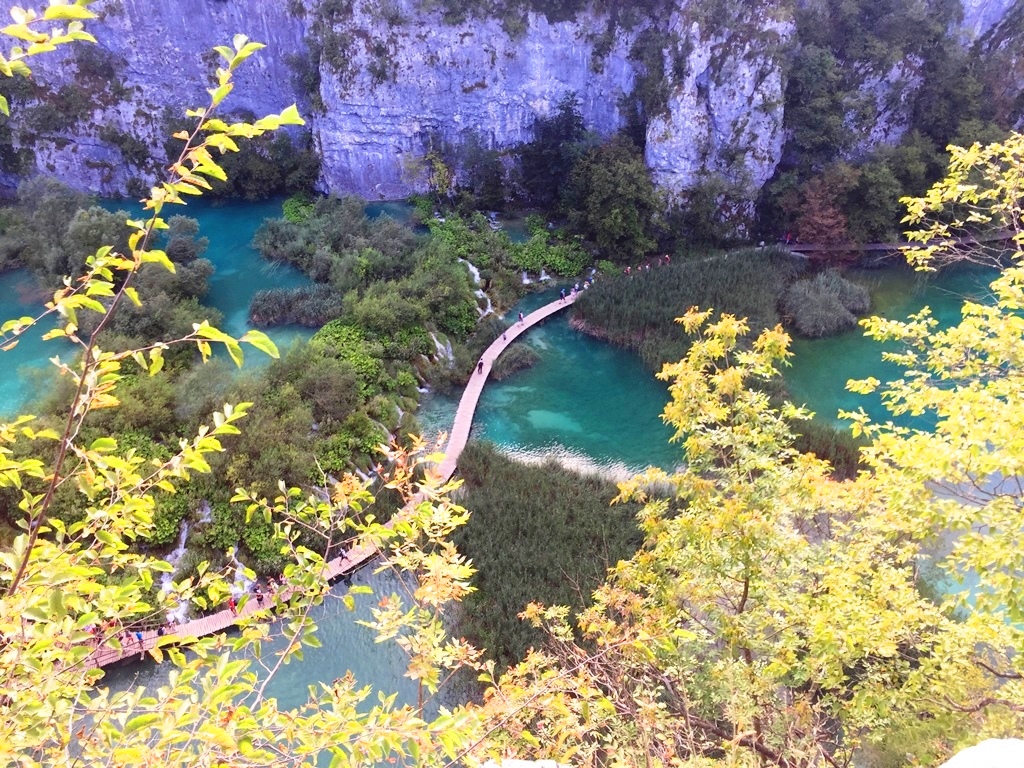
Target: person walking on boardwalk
{"type": "Point", "coordinates": [563, 295]}
{"type": "Point", "coordinates": [259, 595]}
{"type": "Point", "coordinates": [521, 317]}
{"type": "Point", "coordinates": [232, 606]}
{"type": "Point", "coordinates": [480, 367]}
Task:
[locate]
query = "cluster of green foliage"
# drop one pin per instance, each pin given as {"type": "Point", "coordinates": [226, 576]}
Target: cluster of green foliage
{"type": "Point", "coordinates": [602, 188]}
{"type": "Point", "coordinates": [840, 44]}
{"type": "Point", "coordinates": [267, 165]}
{"type": "Point", "coordinates": [311, 306]}
{"type": "Point", "coordinates": [825, 304]}
{"type": "Point", "coordinates": [390, 280]}
{"type": "Point", "coordinates": [297, 208]}
{"type": "Point", "coordinates": [537, 532]}
{"type": "Point", "coordinates": [52, 230]}
{"type": "Point", "coordinates": [515, 358]}
{"type": "Point", "coordinates": [638, 310]}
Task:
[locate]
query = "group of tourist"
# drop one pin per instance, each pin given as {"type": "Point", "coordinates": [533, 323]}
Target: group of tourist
{"type": "Point", "coordinates": [257, 592]}
{"type": "Point", "coordinates": [646, 266]}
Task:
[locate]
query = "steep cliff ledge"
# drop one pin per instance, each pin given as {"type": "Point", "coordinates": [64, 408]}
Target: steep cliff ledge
{"type": "Point", "coordinates": [382, 81]}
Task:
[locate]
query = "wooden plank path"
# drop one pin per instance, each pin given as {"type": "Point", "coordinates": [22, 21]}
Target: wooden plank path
{"type": "Point", "coordinates": [223, 620]}
{"type": "Point", "coordinates": [356, 557]}
{"type": "Point", "coordinates": [803, 248]}
{"type": "Point", "coordinates": [467, 405]}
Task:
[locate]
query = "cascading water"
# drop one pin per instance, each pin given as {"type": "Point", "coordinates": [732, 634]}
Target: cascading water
{"type": "Point", "coordinates": [180, 614]}
{"type": "Point", "coordinates": [489, 308]}
{"type": "Point", "coordinates": [241, 584]}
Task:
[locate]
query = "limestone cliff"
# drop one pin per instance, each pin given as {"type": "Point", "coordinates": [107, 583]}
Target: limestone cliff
{"type": "Point", "coordinates": [386, 79]}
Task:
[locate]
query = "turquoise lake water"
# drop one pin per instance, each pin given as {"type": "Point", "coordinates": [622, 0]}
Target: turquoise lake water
{"type": "Point", "coordinates": [345, 646]}
{"type": "Point", "coordinates": [585, 402]}
{"type": "Point", "coordinates": [821, 368]}
{"type": "Point", "coordinates": [593, 405]}
{"type": "Point", "coordinates": [240, 272]}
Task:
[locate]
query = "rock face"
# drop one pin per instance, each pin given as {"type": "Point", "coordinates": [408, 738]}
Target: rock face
{"type": "Point", "coordinates": [161, 53]}
{"type": "Point", "coordinates": [448, 82]}
{"type": "Point", "coordinates": [401, 81]}
{"type": "Point", "coordinates": [982, 15]}
{"type": "Point", "coordinates": [725, 112]}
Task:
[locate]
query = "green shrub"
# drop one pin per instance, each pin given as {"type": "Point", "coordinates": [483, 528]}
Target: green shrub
{"type": "Point", "coordinates": [836, 446]}
{"type": "Point", "coordinates": [297, 208]}
{"type": "Point", "coordinates": [349, 344]}
{"type": "Point", "coordinates": [167, 516]}
{"type": "Point", "coordinates": [311, 306]}
{"type": "Point", "coordinates": [515, 358]}
{"type": "Point", "coordinates": [638, 311]}
{"type": "Point", "coordinates": [825, 305]}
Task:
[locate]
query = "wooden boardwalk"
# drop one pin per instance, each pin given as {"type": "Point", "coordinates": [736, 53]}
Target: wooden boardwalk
{"type": "Point", "coordinates": [223, 620]}
{"type": "Point", "coordinates": [356, 557]}
{"type": "Point", "coordinates": [467, 405]}
{"type": "Point", "coordinates": [804, 248]}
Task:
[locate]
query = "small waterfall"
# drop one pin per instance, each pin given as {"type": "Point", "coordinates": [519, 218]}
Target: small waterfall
{"type": "Point", "coordinates": [180, 614]}
{"type": "Point", "coordinates": [526, 278]}
{"type": "Point", "coordinates": [241, 584]}
{"type": "Point", "coordinates": [480, 294]}
{"type": "Point", "coordinates": [443, 351]}
{"type": "Point", "coordinates": [543, 275]}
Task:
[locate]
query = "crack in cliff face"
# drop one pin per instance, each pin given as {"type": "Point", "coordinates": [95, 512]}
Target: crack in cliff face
{"type": "Point", "coordinates": [702, 84]}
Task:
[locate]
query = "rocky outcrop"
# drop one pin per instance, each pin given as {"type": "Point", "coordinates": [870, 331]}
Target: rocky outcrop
{"type": "Point", "coordinates": [397, 80]}
{"type": "Point", "coordinates": [446, 82]}
{"type": "Point", "coordinates": [725, 115]}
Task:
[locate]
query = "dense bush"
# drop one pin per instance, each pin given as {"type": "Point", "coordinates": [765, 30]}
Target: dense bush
{"type": "Point", "coordinates": [515, 358]}
{"type": "Point", "coordinates": [825, 305]}
{"type": "Point", "coordinates": [311, 306]}
{"type": "Point", "coordinates": [639, 310]}
{"type": "Point", "coordinates": [536, 533]}
{"type": "Point", "coordinates": [273, 164]}
{"type": "Point", "coordinates": [837, 446]}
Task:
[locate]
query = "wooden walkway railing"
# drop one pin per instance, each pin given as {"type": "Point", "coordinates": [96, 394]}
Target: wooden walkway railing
{"type": "Point", "coordinates": [357, 556]}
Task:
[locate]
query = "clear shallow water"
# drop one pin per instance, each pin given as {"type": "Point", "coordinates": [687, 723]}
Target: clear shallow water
{"type": "Point", "coordinates": [821, 368]}
{"type": "Point", "coordinates": [345, 646]}
{"type": "Point", "coordinates": [586, 402]}
{"type": "Point", "coordinates": [240, 273]}
{"type": "Point", "coordinates": [27, 365]}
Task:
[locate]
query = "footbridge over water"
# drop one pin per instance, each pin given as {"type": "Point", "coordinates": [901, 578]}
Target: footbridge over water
{"type": "Point", "coordinates": [357, 556]}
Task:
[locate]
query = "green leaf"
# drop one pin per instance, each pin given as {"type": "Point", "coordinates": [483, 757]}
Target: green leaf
{"type": "Point", "coordinates": [67, 13]}
{"type": "Point", "coordinates": [141, 721]}
{"type": "Point", "coordinates": [291, 116]}
{"type": "Point", "coordinates": [217, 95]}
{"type": "Point", "coordinates": [235, 351]}
{"type": "Point", "coordinates": [4, 106]}
{"type": "Point", "coordinates": [262, 342]}
{"type": "Point", "coordinates": [103, 445]}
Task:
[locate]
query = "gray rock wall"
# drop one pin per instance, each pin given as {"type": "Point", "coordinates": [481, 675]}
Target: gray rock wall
{"type": "Point", "coordinates": [724, 115]}
{"type": "Point", "coordinates": [450, 81]}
